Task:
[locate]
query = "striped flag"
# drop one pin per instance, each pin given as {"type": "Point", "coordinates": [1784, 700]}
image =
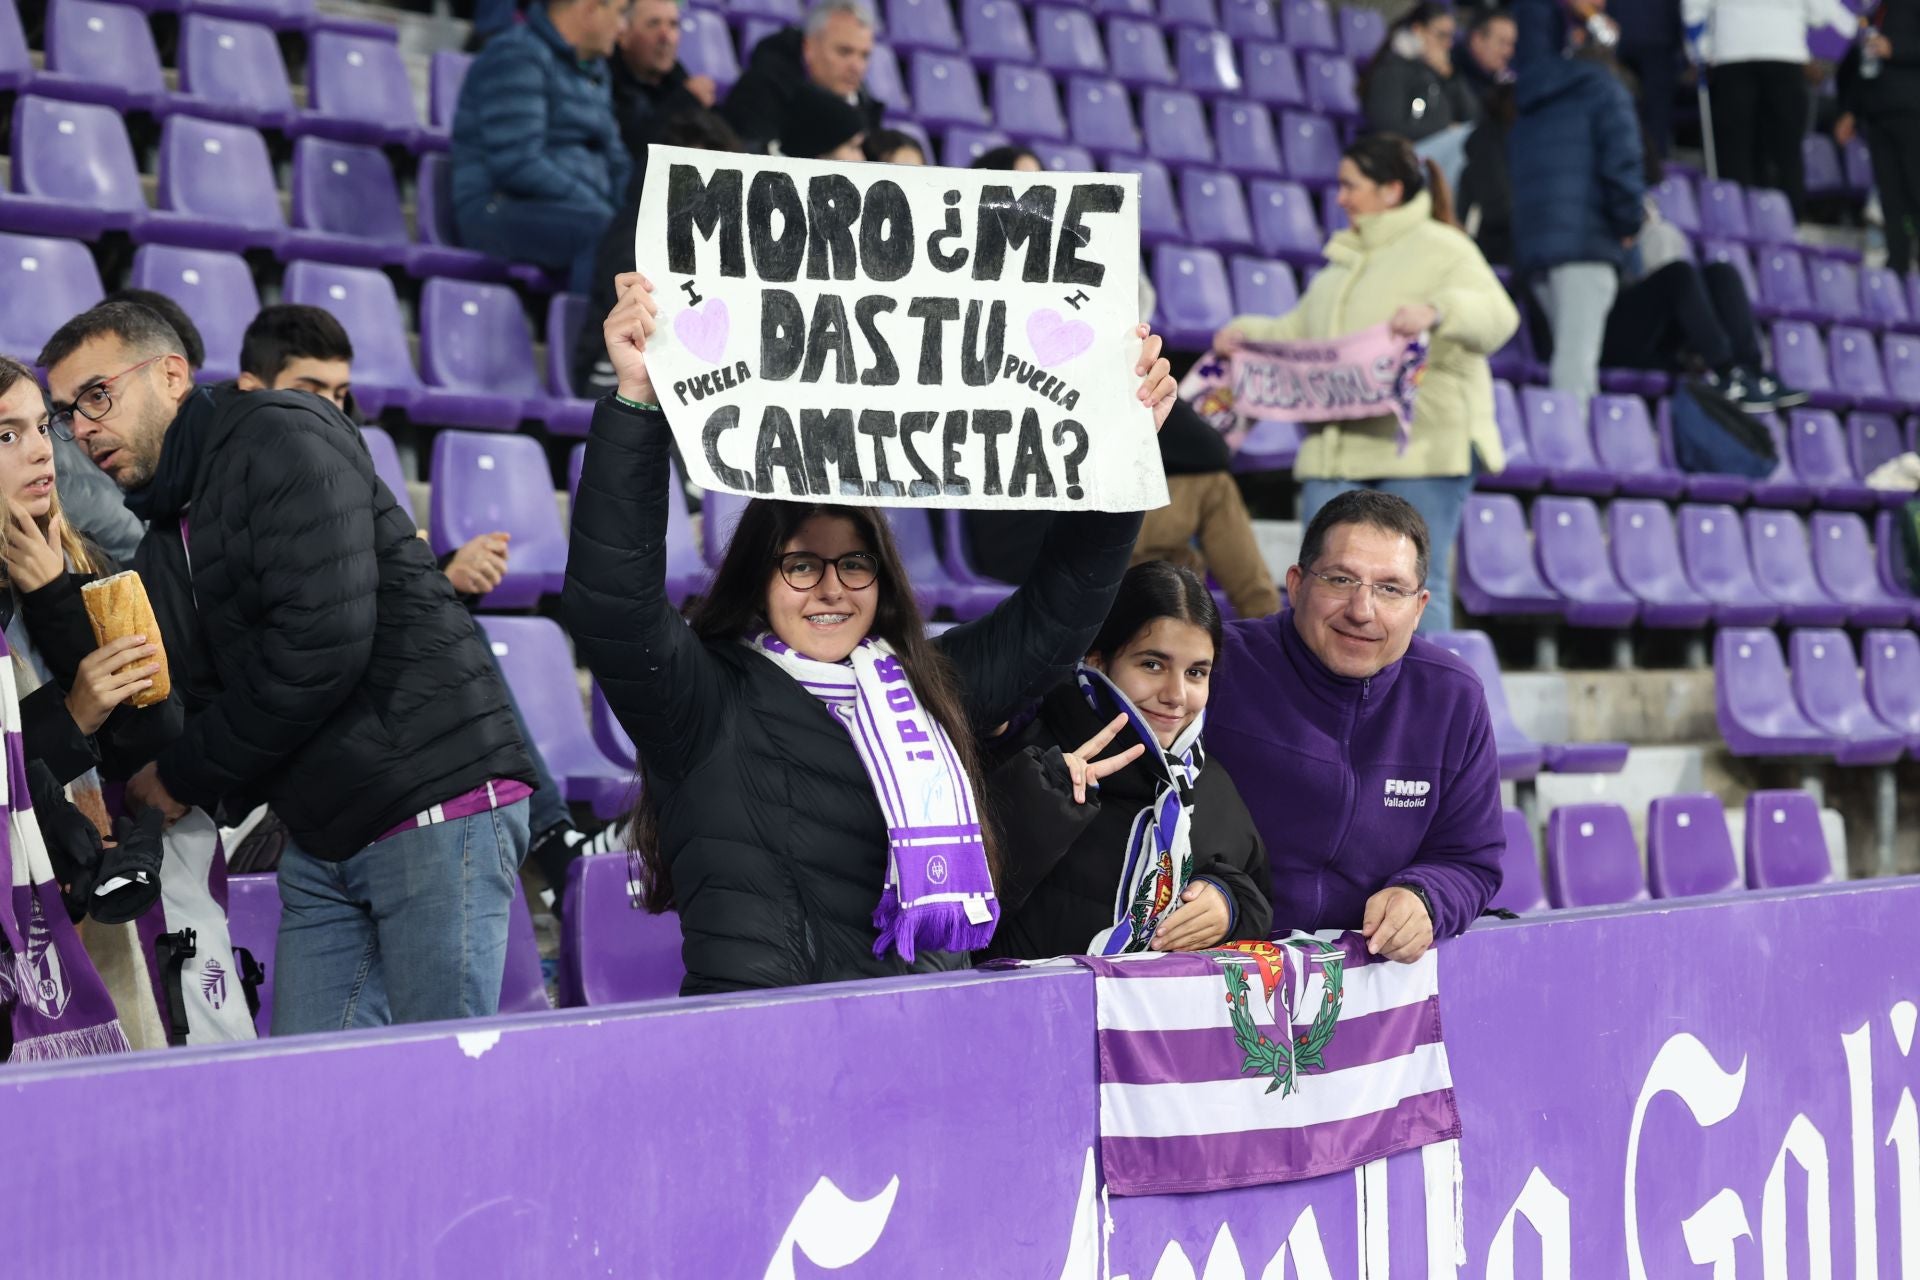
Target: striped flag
{"type": "Point", "coordinates": [1200, 1089]}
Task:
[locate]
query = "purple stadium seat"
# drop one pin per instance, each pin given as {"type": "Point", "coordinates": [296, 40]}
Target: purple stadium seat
{"type": "Point", "coordinates": [1204, 60]}
{"type": "Point", "coordinates": [1735, 256]}
{"type": "Point", "coordinates": [1215, 209]}
{"type": "Point", "coordinates": [1160, 221]}
{"type": "Point", "coordinates": [1892, 669]}
{"type": "Point", "coordinates": [438, 254]}
{"type": "Point", "coordinates": [216, 291]}
{"type": "Point", "coordinates": [932, 584]}
{"type": "Point", "coordinates": [1498, 574]}
{"type": "Point", "coordinates": [1284, 223]}
{"type": "Point", "coordinates": [1783, 487]}
{"type": "Point", "coordinates": [946, 91]}
{"type": "Point", "coordinates": [719, 515]}
{"type": "Point", "coordinates": [567, 413]}
{"type": "Point", "coordinates": [1858, 370]}
{"type": "Point", "coordinates": [1362, 32]}
{"type": "Point", "coordinates": [1520, 888]}
{"type": "Point", "coordinates": [1521, 474]}
{"type": "Point", "coordinates": [1646, 556]}
{"type": "Point", "coordinates": [1100, 116]}
{"type": "Point", "coordinates": [1713, 547]}
{"type": "Point", "coordinates": [1826, 680]}
{"type": "Point", "coordinates": [1189, 13]}
{"type": "Point", "coordinates": [73, 171]}
{"type": "Point", "coordinates": [1873, 439]}
{"type": "Point", "coordinates": [1243, 134]}
{"type": "Point", "coordinates": [953, 535]}
{"type": "Point", "coordinates": [1783, 568]}
{"type": "Point", "coordinates": [1624, 443]}
{"type": "Point", "coordinates": [1723, 210]}
{"type": "Point", "coordinates": [1026, 104]}
{"type": "Point", "coordinates": [534, 656]}
{"type": "Point", "coordinates": [486, 483]}
{"type": "Point", "coordinates": [1308, 24]}
{"type": "Point", "coordinates": [253, 923]}
{"type": "Point", "coordinates": [1261, 286]}
{"type": "Point", "coordinates": [1903, 370]}
{"type": "Point", "coordinates": [1819, 450]}
{"type": "Point", "coordinates": [961, 145]}
{"type": "Point", "coordinates": [1311, 147]}
{"type": "Point", "coordinates": [102, 53]}
{"type": "Point", "coordinates": [1137, 53]}
{"type": "Point", "coordinates": [1332, 89]}
{"type": "Point", "coordinates": [1249, 19]}
{"type": "Point", "coordinates": [778, 12]}
{"type": "Point", "coordinates": [1272, 74]}
{"type": "Point", "coordinates": [1175, 126]}
{"type": "Point", "coordinates": [281, 15]}
{"type": "Point", "coordinates": [1574, 562]}
{"type": "Point", "coordinates": [921, 24]}
{"type": "Point", "coordinates": [1592, 860]}
{"type": "Point", "coordinates": [1674, 196]}
{"type": "Point", "coordinates": [523, 985]}
{"type": "Point", "coordinates": [1561, 442]}
{"type": "Point", "coordinates": [611, 952]}
{"type": "Point", "coordinates": [607, 733]}
{"type": "Point", "coordinates": [364, 302]}
{"type": "Point", "coordinates": [16, 61]}
{"type": "Point", "coordinates": [358, 90]}
{"type": "Point", "coordinates": [1068, 41]}
{"type": "Point", "coordinates": [1520, 756]}
{"type": "Point", "coordinates": [706, 48]}
{"type": "Point", "coordinates": [1332, 216]}
{"type": "Point", "coordinates": [1884, 300]}
{"type": "Point", "coordinates": [996, 31]}
{"type": "Point", "coordinates": [215, 188]}
{"type": "Point", "coordinates": [1771, 217]}
{"type": "Point", "coordinates": [346, 206]}
{"type": "Point", "coordinates": [1063, 157]}
{"type": "Point", "coordinates": [476, 358]}
{"type": "Point", "coordinates": [1689, 853]}
{"type": "Point", "coordinates": [1753, 699]}
{"type": "Point", "coordinates": [1785, 845]}
{"type": "Point", "coordinates": [1195, 299]}
{"type": "Point", "coordinates": [1800, 360]}
{"type": "Point", "coordinates": [446, 72]}
{"type": "Point", "coordinates": [1785, 291]}
{"type": "Point", "coordinates": [1124, 8]}
{"type": "Point", "coordinates": [1836, 290]}
{"type": "Point", "coordinates": [687, 572]}
{"type": "Point", "coordinates": [1845, 563]}
{"type": "Point", "coordinates": [1821, 161]}
{"type": "Point", "coordinates": [386, 465]}
{"type": "Point", "coordinates": [233, 71]}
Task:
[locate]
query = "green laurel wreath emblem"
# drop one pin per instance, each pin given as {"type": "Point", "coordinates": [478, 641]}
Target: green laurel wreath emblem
{"type": "Point", "coordinates": [1282, 1060]}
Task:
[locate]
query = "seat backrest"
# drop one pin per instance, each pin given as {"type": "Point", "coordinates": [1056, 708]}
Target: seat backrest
{"type": "Point", "coordinates": [364, 302]}
{"type": "Point", "coordinates": [965, 143]}
{"type": "Point", "coordinates": [923, 24]}
{"type": "Point", "coordinates": [1101, 115]}
{"type": "Point", "coordinates": [1192, 284]}
{"type": "Point", "coordinates": [1819, 447]}
{"type": "Point", "coordinates": [1272, 74]}
{"type": "Point", "coordinates": [110, 43]}
{"type": "Point", "coordinates": [1826, 683]}
{"type": "Point", "coordinates": [1066, 39]}
{"type": "Point", "coordinates": [1723, 209]}
{"type": "Point", "coordinates": [1873, 440]}
{"type": "Point", "coordinates": [945, 88]}
{"type": "Point", "coordinates": [1750, 679]}
{"type": "Point", "coordinates": [1713, 546]}
{"type": "Point", "coordinates": [1331, 85]}
{"type": "Point", "coordinates": [1308, 24]}
{"type": "Point", "coordinates": [1204, 61]}
{"type": "Point", "coordinates": [1521, 890]}
{"type": "Point", "coordinates": [1025, 100]}
{"type": "Point", "coordinates": [217, 171]}
{"type": "Point", "coordinates": [996, 29]}
{"type": "Point", "coordinates": [534, 656]}
{"type": "Point", "coordinates": [1645, 549]}
{"type": "Point", "coordinates": [1856, 361]}
{"type": "Point", "coordinates": [1571, 549]}
{"type": "Point", "coordinates": [1362, 31]}
{"type": "Point", "coordinates": [485, 481]}
{"type": "Point", "coordinates": [1892, 667]}
{"type": "Point", "coordinates": [1883, 296]}
{"type": "Point", "coordinates": [1782, 560]}
{"type": "Point", "coordinates": [1785, 846]}
{"type": "Point", "coordinates": [1843, 556]}
{"type": "Point", "coordinates": [1799, 356]}
{"type": "Point", "coordinates": [1592, 859]}
{"type": "Point", "coordinates": [719, 514]}
{"type": "Point", "coordinates": [346, 188]}
{"type": "Point", "coordinates": [356, 77]}
{"type": "Point", "coordinates": [706, 48]}
{"type": "Point", "coordinates": [1495, 540]}
{"type": "Point", "coordinates": [566, 312]}
{"type": "Point", "coordinates": [1689, 852]}
{"type": "Point", "coordinates": [215, 289]}
{"type": "Point", "coordinates": [1623, 439]}
{"type": "Point", "coordinates": [1250, 19]}
{"type": "Point", "coordinates": [611, 952]}
{"type": "Point", "coordinates": [1063, 157]}
{"type": "Point", "coordinates": [474, 337]}
{"type": "Point", "coordinates": [1137, 52]}
{"type": "Point", "coordinates": [1475, 648]}
{"type": "Point", "coordinates": [234, 63]}
{"type": "Point", "coordinates": [1261, 286]}
{"type": "Point", "coordinates": [1175, 127]}
{"type": "Point", "coordinates": [1244, 138]}
{"type": "Point", "coordinates": [1903, 367]}
{"type": "Point", "coordinates": [446, 72]}
{"type": "Point", "coordinates": [1283, 217]}
{"type": "Point", "coordinates": [1215, 206]}
{"type": "Point", "coordinates": [1770, 217]}
{"type": "Point", "coordinates": [1783, 278]}
{"type": "Point", "coordinates": [1506, 415]}
{"type": "Point", "coordinates": [1836, 289]}
{"type": "Point", "coordinates": [1674, 195]}
{"type": "Point", "coordinates": [1310, 145]}
{"type": "Point", "coordinates": [74, 152]}
{"type": "Point", "coordinates": [1556, 428]}
{"type": "Point", "coordinates": [386, 464]}
{"type": "Point", "coordinates": [61, 278]}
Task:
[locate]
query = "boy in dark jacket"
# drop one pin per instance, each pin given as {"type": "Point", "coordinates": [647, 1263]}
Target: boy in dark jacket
{"type": "Point", "coordinates": [325, 667]}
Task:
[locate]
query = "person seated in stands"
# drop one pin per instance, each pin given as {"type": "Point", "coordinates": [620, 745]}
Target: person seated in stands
{"type": "Point", "coordinates": [830, 53]}
{"type": "Point", "coordinates": [764, 819]}
{"type": "Point", "coordinates": [823, 127]}
{"type": "Point", "coordinates": [538, 167]}
{"type": "Point", "coordinates": [1013, 158]}
{"type": "Point", "coordinates": [1488, 63]}
{"type": "Point", "coordinates": [1105, 796]}
{"type": "Point", "coordinates": [892, 146]}
{"type": "Point", "coordinates": [1412, 89]}
{"type": "Point", "coordinates": [298, 348]}
{"type": "Point", "coordinates": [1368, 751]}
{"type": "Point", "coordinates": [333, 675]}
{"type": "Point", "coordinates": [650, 85]}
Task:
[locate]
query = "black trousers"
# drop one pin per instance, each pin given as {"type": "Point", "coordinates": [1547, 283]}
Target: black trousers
{"type": "Point", "coordinates": [1682, 310]}
{"type": "Point", "coordinates": [1759, 118]}
{"type": "Point", "coordinates": [1894, 144]}
{"type": "Point", "coordinates": [1658, 70]}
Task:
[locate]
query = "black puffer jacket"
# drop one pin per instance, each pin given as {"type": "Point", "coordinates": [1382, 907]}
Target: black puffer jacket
{"type": "Point", "coordinates": [324, 664]}
{"type": "Point", "coordinates": [1063, 859]}
{"type": "Point", "coordinates": [758, 104]}
{"type": "Point", "coordinates": [769, 823]}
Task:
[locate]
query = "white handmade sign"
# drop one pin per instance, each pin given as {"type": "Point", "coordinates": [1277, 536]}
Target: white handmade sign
{"type": "Point", "coordinates": [900, 336]}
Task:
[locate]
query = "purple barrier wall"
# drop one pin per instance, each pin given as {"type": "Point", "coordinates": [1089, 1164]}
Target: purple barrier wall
{"type": "Point", "coordinates": [1718, 1089]}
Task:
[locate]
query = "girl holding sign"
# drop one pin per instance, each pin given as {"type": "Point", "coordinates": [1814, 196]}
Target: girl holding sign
{"type": "Point", "coordinates": [810, 802]}
{"type": "Point", "coordinates": [1121, 836]}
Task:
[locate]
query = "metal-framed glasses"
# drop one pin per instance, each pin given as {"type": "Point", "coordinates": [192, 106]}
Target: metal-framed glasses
{"type": "Point", "coordinates": [803, 570]}
{"type": "Point", "coordinates": [94, 402]}
{"type": "Point", "coordinates": [1386, 595]}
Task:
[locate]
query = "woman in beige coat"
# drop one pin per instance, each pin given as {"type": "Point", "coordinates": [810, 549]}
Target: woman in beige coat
{"type": "Point", "coordinates": [1404, 263]}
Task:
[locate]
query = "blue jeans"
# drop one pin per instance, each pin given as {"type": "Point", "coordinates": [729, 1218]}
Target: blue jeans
{"type": "Point", "coordinates": [1439, 500]}
{"type": "Point", "coordinates": [412, 928]}
{"type": "Point", "coordinates": [557, 235]}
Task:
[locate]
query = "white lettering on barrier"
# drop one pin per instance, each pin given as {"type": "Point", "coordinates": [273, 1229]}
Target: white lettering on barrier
{"type": "Point", "coordinates": [1858, 1046]}
{"type": "Point", "coordinates": [1713, 1230]}
{"type": "Point", "coordinates": [1547, 1209]}
{"type": "Point", "coordinates": [831, 1229]}
{"type": "Point", "coordinates": [1685, 1068]}
{"type": "Point", "coordinates": [1809, 1150]}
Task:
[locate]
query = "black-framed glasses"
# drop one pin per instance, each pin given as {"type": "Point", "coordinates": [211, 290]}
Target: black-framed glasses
{"type": "Point", "coordinates": [1386, 595]}
{"type": "Point", "coordinates": [803, 570]}
{"type": "Point", "coordinates": [94, 402]}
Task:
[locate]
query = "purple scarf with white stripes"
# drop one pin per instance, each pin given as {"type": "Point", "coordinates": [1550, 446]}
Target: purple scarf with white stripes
{"type": "Point", "coordinates": [939, 892]}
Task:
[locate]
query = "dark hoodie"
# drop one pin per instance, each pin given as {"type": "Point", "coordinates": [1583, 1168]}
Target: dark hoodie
{"type": "Point", "coordinates": [758, 105]}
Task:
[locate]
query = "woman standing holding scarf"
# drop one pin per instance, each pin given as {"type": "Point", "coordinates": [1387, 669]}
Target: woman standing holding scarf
{"type": "Point", "coordinates": [1146, 847]}
{"type": "Point", "coordinates": [810, 791]}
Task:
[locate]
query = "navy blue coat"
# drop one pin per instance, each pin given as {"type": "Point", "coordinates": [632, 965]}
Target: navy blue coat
{"type": "Point", "coordinates": [1574, 154]}
{"type": "Point", "coordinates": [536, 123]}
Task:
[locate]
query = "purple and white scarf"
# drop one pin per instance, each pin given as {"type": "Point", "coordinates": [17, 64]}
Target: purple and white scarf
{"type": "Point", "coordinates": [939, 892]}
{"type": "Point", "coordinates": [1159, 855]}
{"type": "Point", "coordinates": [48, 985]}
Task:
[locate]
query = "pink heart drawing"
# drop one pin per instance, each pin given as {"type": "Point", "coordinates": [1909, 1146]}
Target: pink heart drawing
{"type": "Point", "coordinates": [1055, 338]}
{"type": "Point", "coordinates": [703, 329]}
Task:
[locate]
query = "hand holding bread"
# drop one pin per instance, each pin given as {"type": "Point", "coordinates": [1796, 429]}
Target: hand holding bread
{"type": "Point", "coordinates": [118, 608]}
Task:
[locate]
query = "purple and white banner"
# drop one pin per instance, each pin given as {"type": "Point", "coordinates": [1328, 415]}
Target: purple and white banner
{"type": "Point", "coordinates": [1363, 375]}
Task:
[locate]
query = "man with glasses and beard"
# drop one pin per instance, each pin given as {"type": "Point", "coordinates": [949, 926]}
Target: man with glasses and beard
{"type": "Point", "coordinates": [325, 667]}
{"type": "Point", "coordinates": [1364, 753]}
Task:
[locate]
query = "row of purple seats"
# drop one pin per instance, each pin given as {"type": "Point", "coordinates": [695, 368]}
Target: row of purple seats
{"type": "Point", "coordinates": [1594, 861]}
{"type": "Point", "coordinates": [610, 951]}
{"type": "Point", "coordinates": [1196, 292]}
{"type": "Point", "coordinates": [1833, 170]}
{"type": "Point", "coordinates": [1848, 369]}
{"type": "Point", "coordinates": [687, 575]}
{"type": "Point", "coordinates": [1705, 564]}
{"type": "Point", "coordinates": [1823, 290]}
{"type": "Point", "coordinates": [1521, 757]}
{"type": "Point", "coordinates": [1826, 705]}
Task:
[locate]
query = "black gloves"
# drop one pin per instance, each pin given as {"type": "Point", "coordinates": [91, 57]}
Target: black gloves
{"type": "Point", "coordinates": [129, 880]}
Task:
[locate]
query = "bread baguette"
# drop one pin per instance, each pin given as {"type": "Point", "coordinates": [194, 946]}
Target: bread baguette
{"type": "Point", "coordinates": [117, 607]}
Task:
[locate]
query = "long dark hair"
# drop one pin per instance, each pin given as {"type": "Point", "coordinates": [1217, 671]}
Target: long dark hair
{"type": "Point", "coordinates": [1388, 157]}
{"type": "Point", "coordinates": [1150, 591]}
{"type": "Point", "coordinates": [735, 606]}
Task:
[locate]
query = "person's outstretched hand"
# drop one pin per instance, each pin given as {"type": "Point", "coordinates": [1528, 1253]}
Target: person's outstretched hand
{"type": "Point", "coordinates": [1084, 769]}
{"type": "Point", "coordinates": [1157, 387]}
{"type": "Point", "coordinates": [629, 325]}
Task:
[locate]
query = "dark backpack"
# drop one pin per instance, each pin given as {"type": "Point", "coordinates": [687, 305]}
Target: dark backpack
{"type": "Point", "coordinates": [1711, 433]}
{"type": "Point", "coordinates": [1909, 518]}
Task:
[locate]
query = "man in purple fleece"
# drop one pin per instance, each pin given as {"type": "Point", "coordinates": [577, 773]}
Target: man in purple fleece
{"type": "Point", "coordinates": [1365, 754]}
